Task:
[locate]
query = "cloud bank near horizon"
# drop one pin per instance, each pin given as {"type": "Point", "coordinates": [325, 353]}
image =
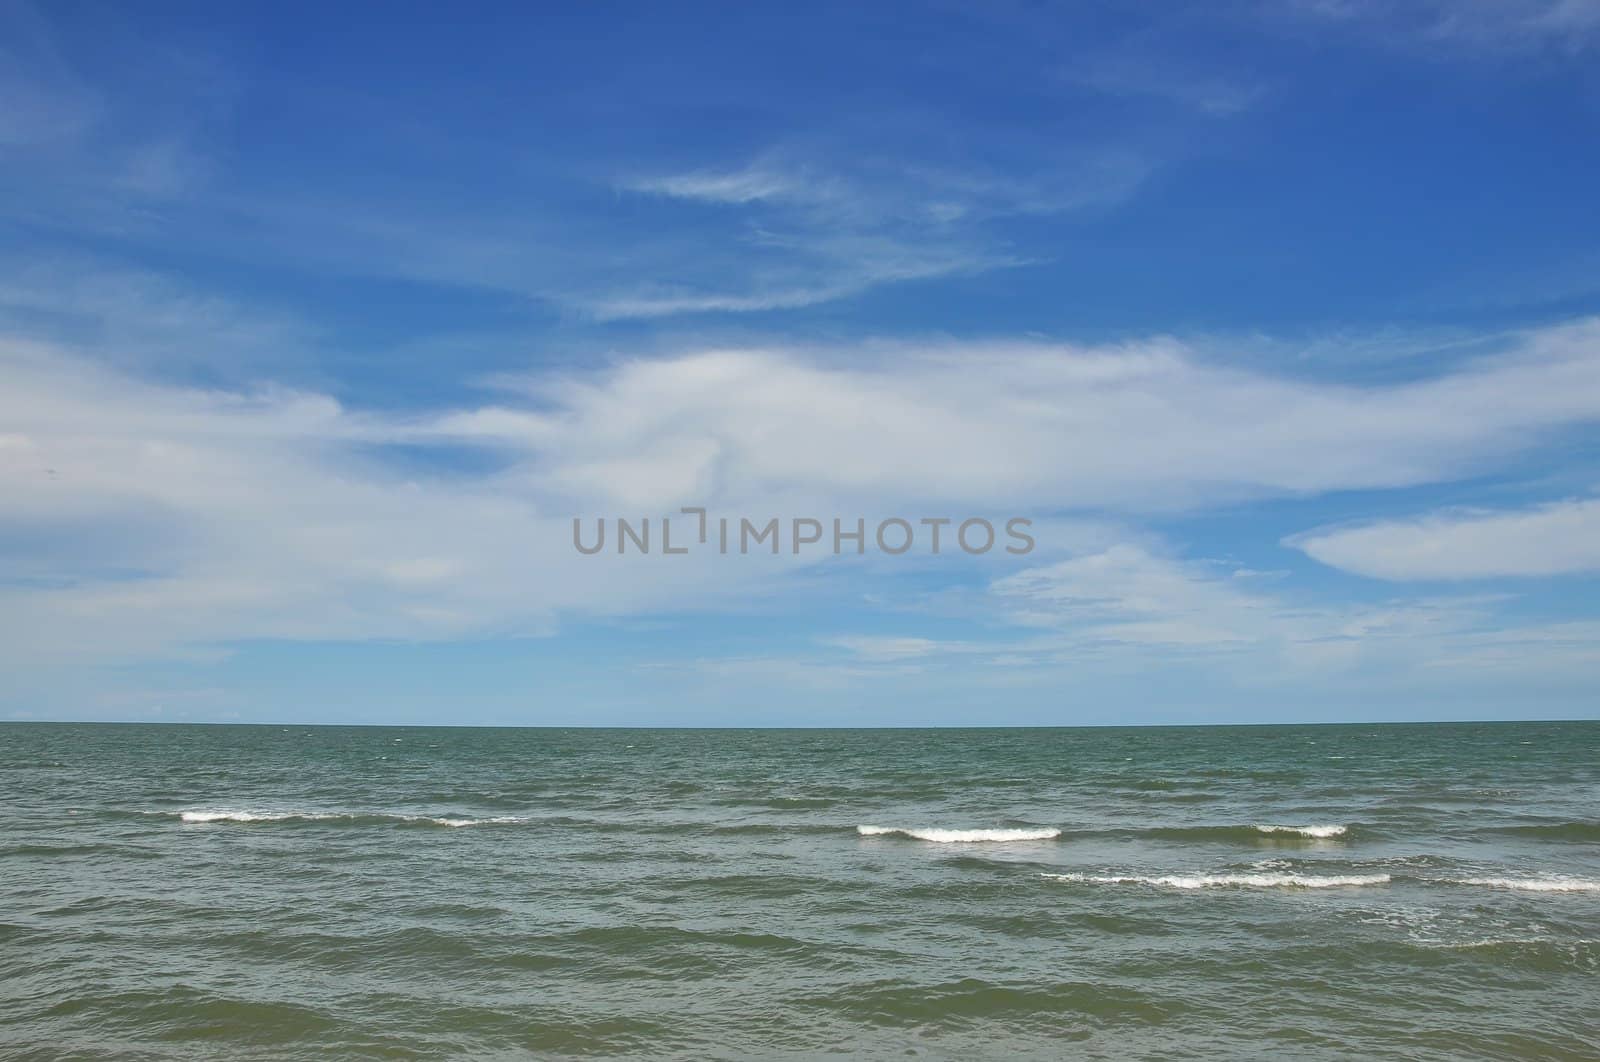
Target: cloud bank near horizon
{"type": "Point", "coordinates": [151, 519]}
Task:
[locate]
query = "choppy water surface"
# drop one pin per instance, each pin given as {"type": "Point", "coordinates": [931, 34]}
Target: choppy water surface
{"type": "Point", "coordinates": [1378, 891]}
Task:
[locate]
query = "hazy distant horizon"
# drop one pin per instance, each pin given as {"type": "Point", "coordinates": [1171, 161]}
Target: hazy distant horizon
{"type": "Point", "coordinates": [776, 727]}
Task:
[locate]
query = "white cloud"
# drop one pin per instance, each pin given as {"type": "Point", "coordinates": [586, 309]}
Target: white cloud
{"type": "Point", "coordinates": [1555, 539]}
{"type": "Point", "coordinates": [1126, 595]}
{"type": "Point", "coordinates": [1142, 615]}
{"type": "Point", "coordinates": [1139, 608]}
{"type": "Point", "coordinates": [142, 518]}
{"type": "Point", "coordinates": [140, 317]}
{"type": "Point", "coordinates": [1140, 426]}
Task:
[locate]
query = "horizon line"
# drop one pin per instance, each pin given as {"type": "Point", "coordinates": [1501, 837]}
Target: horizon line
{"type": "Point", "coordinates": [757, 728]}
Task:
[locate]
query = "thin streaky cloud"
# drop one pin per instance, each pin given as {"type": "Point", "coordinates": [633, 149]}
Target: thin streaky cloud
{"type": "Point", "coordinates": [1465, 27]}
{"type": "Point", "coordinates": [1558, 538]}
{"type": "Point", "coordinates": [749, 185]}
{"type": "Point", "coordinates": [812, 234]}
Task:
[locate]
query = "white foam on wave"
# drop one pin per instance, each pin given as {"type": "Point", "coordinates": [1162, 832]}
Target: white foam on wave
{"type": "Point", "coordinates": [1320, 832]}
{"type": "Point", "coordinates": [319, 816]}
{"type": "Point", "coordinates": [1534, 884]}
{"type": "Point", "coordinates": [1213, 881]}
{"type": "Point", "coordinates": [498, 820]}
{"type": "Point", "coordinates": [1028, 833]}
{"type": "Point", "coordinates": [252, 816]}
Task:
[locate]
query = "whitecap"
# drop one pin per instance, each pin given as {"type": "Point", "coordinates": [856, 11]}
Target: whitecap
{"type": "Point", "coordinates": [1028, 833]}
{"type": "Point", "coordinates": [496, 821]}
{"type": "Point", "coordinates": [1319, 832]}
{"type": "Point", "coordinates": [1210, 881]}
{"type": "Point", "coordinates": [1534, 884]}
{"type": "Point", "coordinates": [252, 816]}
{"type": "Point", "coordinates": [323, 816]}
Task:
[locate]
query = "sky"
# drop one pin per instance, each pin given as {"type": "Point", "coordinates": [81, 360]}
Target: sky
{"type": "Point", "coordinates": [1279, 322]}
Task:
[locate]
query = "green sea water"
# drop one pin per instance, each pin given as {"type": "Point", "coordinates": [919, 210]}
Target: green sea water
{"type": "Point", "coordinates": [1427, 891]}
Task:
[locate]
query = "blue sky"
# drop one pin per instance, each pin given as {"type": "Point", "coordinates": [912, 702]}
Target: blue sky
{"type": "Point", "coordinates": [1280, 321]}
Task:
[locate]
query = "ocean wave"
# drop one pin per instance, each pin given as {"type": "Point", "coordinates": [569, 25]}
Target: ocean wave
{"type": "Point", "coordinates": [1212, 881]}
{"type": "Point", "coordinates": [1253, 835]}
{"type": "Point", "coordinates": [1280, 879]}
{"type": "Point", "coordinates": [1011, 1006]}
{"type": "Point", "coordinates": [68, 850]}
{"type": "Point", "coordinates": [1316, 832]}
{"type": "Point", "coordinates": [1532, 884]}
{"type": "Point", "coordinates": [253, 816]}
{"type": "Point", "coordinates": [1028, 833]}
{"type": "Point", "coordinates": [1555, 831]}
{"type": "Point", "coordinates": [1257, 834]}
{"type": "Point", "coordinates": [351, 817]}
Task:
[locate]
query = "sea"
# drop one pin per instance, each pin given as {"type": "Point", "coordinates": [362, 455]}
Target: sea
{"type": "Point", "coordinates": [1274, 892]}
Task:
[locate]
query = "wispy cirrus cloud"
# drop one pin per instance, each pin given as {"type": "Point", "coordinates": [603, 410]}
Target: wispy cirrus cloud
{"type": "Point", "coordinates": [142, 318]}
{"type": "Point", "coordinates": [801, 271]}
{"type": "Point", "coordinates": [1163, 78]}
{"type": "Point", "coordinates": [1473, 25]}
{"type": "Point", "coordinates": [1130, 596]}
{"type": "Point", "coordinates": [83, 156]}
{"type": "Point", "coordinates": [889, 648]}
{"type": "Point", "coordinates": [797, 233]}
{"type": "Point", "coordinates": [1133, 606]}
{"type": "Point", "coordinates": [1139, 608]}
{"type": "Point", "coordinates": [750, 184]}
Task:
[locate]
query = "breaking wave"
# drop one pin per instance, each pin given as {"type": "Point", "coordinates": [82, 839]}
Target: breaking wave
{"type": "Point", "coordinates": [349, 817]}
{"type": "Point", "coordinates": [1213, 881]}
{"type": "Point", "coordinates": [1533, 884]}
{"type": "Point", "coordinates": [1028, 833]}
{"type": "Point", "coordinates": [1317, 832]}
